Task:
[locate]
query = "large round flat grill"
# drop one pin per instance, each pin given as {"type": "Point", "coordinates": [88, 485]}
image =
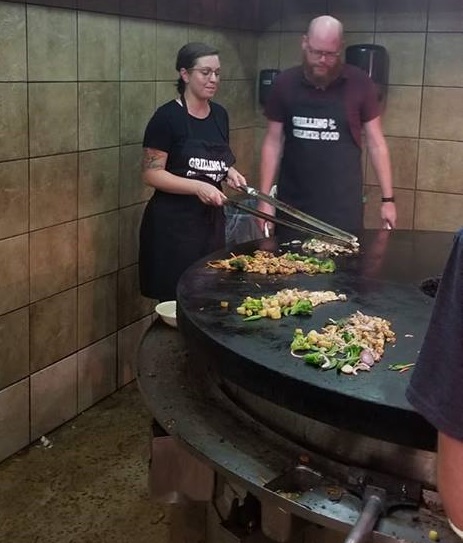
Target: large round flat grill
{"type": "Point", "coordinates": [384, 279]}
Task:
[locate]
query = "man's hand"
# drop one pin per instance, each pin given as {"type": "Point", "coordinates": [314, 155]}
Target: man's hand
{"type": "Point", "coordinates": [264, 207]}
{"type": "Point", "coordinates": [388, 215]}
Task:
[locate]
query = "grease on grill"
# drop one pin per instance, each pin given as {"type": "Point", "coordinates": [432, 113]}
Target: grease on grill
{"type": "Point", "coordinates": [430, 285]}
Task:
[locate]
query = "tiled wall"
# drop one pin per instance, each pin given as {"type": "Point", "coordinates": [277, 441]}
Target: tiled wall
{"type": "Point", "coordinates": [423, 120]}
{"type": "Point", "coordinates": [76, 91]}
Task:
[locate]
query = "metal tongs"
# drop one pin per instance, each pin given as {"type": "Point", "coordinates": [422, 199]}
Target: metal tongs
{"type": "Point", "coordinates": [324, 230]}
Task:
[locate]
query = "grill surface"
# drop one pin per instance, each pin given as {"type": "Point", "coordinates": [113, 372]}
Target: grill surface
{"type": "Point", "coordinates": [383, 280]}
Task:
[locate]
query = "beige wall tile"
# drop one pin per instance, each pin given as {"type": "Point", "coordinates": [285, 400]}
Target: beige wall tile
{"type": "Point", "coordinates": [12, 42]}
{"type": "Point", "coordinates": [169, 38]}
{"type": "Point", "coordinates": [137, 99]}
{"type": "Point", "coordinates": [53, 190]}
{"type": "Point", "coordinates": [401, 16]}
{"type": "Point", "coordinates": [138, 49]}
{"type": "Point", "coordinates": [405, 204]}
{"type": "Point", "coordinates": [128, 342]}
{"type": "Point", "coordinates": [98, 115]}
{"type": "Point", "coordinates": [53, 327]}
{"type": "Point", "coordinates": [441, 212]}
{"type": "Point", "coordinates": [14, 418]}
{"type": "Point", "coordinates": [132, 188]}
{"type": "Point", "coordinates": [297, 14]}
{"type": "Point", "coordinates": [270, 14]}
{"type": "Point", "coordinates": [439, 119]}
{"type": "Point", "coordinates": [268, 51]}
{"type": "Point", "coordinates": [440, 165]}
{"type": "Point", "coordinates": [129, 227]}
{"type": "Point", "coordinates": [404, 159]}
{"type": "Point", "coordinates": [14, 273]}
{"type": "Point", "coordinates": [247, 47]}
{"type": "Point", "coordinates": [131, 305]}
{"type": "Point", "coordinates": [96, 370]}
{"type": "Point", "coordinates": [165, 91]}
{"type": "Point", "coordinates": [241, 141]}
{"type": "Point", "coordinates": [356, 15]}
{"type": "Point", "coordinates": [13, 121]}
{"type": "Point", "coordinates": [98, 181]}
{"type": "Point", "coordinates": [406, 56]}
{"type": "Point", "coordinates": [51, 44]}
{"type": "Point", "coordinates": [97, 310]}
{"type": "Point", "coordinates": [98, 245]}
{"type": "Point", "coordinates": [238, 99]}
{"type": "Point", "coordinates": [445, 16]}
{"type": "Point", "coordinates": [14, 339]}
{"type": "Point", "coordinates": [53, 396]}
{"type": "Point", "coordinates": [402, 115]}
{"type": "Point", "coordinates": [443, 67]}
{"type": "Point", "coordinates": [53, 257]}
{"type": "Point", "coordinates": [14, 195]}
{"type": "Point", "coordinates": [290, 49]}
{"type": "Point", "coordinates": [52, 118]}
{"type": "Point", "coordinates": [98, 47]}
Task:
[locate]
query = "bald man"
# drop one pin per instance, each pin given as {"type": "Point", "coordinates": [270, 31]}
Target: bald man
{"type": "Point", "coordinates": [312, 147]}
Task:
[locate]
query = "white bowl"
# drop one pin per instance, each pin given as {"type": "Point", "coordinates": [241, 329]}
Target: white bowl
{"type": "Point", "coordinates": [168, 312]}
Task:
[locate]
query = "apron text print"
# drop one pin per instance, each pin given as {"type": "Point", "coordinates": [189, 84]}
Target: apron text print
{"type": "Point", "coordinates": [313, 128]}
{"type": "Point", "coordinates": [214, 169]}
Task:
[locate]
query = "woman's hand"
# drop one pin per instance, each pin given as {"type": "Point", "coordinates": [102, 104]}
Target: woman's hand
{"type": "Point", "coordinates": [234, 179]}
{"type": "Point", "coordinates": [209, 195]}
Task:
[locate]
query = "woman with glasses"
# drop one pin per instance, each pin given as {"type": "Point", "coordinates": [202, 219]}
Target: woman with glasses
{"type": "Point", "coordinates": [186, 158]}
{"type": "Point", "coordinates": [316, 112]}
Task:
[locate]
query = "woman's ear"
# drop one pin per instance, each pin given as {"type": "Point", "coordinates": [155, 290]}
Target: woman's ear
{"type": "Point", "coordinates": [184, 75]}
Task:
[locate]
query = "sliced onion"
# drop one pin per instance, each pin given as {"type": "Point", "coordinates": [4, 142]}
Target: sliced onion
{"type": "Point", "coordinates": [366, 357]}
{"type": "Point", "coordinates": [293, 353]}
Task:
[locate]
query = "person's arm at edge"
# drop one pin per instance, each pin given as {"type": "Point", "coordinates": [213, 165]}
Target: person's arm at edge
{"type": "Point", "coordinates": [450, 476]}
{"type": "Point", "coordinates": [155, 175]}
{"type": "Point", "coordinates": [379, 154]}
{"type": "Point", "coordinates": [270, 159]}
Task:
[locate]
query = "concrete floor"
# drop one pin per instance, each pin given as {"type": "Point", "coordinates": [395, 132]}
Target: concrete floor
{"type": "Point", "coordinates": [90, 486]}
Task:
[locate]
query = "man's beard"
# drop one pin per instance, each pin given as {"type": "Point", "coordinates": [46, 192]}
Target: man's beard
{"type": "Point", "coordinates": [322, 80]}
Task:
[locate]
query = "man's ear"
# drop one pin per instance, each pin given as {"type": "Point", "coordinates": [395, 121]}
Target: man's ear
{"type": "Point", "coordinates": [304, 42]}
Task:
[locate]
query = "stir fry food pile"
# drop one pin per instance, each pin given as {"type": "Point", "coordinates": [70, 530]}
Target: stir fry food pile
{"type": "Point", "coordinates": [285, 302]}
{"type": "Point", "coordinates": [315, 245]}
{"type": "Point", "coordinates": [267, 263]}
{"type": "Point", "coordinates": [348, 345]}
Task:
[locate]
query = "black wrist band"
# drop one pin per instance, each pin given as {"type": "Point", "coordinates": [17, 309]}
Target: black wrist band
{"type": "Point", "coordinates": [389, 199]}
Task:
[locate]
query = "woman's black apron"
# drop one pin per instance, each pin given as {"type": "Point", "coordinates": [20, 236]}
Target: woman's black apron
{"type": "Point", "coordinates": [321, 166]}
{"type": "Point", "coordinates": [177, 230]}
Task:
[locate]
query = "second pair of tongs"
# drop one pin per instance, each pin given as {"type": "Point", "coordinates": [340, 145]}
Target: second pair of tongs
{"type": "Point", "coordinates": [324, 230]}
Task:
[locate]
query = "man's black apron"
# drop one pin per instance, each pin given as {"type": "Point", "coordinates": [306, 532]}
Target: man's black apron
{"type": "Point", "coordinates": [177, 230]}
{"type": "Point", "coordinates": [321, 166]}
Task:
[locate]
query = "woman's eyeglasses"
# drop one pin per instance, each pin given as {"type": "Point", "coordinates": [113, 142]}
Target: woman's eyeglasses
{"type": "Point", "coordinates": [206, 72]}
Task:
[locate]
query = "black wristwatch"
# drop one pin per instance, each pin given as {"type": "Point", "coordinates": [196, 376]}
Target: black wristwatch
{"type": "Point", "coordinates": [388, 199]}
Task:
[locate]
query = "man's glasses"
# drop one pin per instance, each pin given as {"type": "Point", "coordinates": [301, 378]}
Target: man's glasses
{"type": "Point", "coordinates": [206, 72]}
{"type": "Point", "coordinates": [317, 54]}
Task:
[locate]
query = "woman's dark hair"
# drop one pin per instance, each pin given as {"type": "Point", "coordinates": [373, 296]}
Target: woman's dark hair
{"type": "Point", "coordinates": [187, 57]}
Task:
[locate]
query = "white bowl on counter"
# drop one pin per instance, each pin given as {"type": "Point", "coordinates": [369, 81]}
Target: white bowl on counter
{"type": "Point", "coordinates": [168, 312]}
